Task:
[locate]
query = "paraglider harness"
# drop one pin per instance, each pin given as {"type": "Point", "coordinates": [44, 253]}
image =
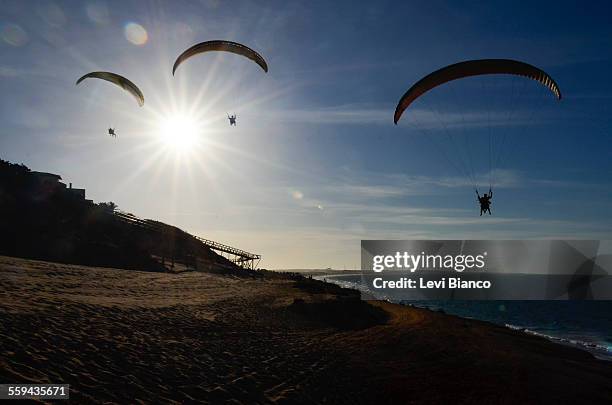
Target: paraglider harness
{"type": "Point", "coordinates": [485, 201]}
{"type": "Point", "coordinates": [232, 119]}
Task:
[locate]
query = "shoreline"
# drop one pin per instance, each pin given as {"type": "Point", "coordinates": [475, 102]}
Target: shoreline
{"type": "Point", "coordinates": [274, 339]}
{"type": "Point", "coordinates": [598, 351]}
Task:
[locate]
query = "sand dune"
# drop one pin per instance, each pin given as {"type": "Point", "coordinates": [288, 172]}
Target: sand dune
{"type": "Point", "coordinates": [137, 337]}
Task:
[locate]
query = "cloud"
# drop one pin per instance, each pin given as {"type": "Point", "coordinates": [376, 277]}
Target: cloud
{"type": "Point", "coordinates": [8, 72]}
{"type": "Point", "coordinates": [372, 191]}
{"type": "Point", "coordinates": [333, 245]}
{"type": "Point", "coordinates": [321, 226]}
{"type": "Point", "coordinates": [417, 118]}
{"type": "Point", "coordinates": [394, 185]}
{"type": "Point", "coordinates": [334, 115]}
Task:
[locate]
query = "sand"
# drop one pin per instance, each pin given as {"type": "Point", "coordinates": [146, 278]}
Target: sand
{"type": "Point", "coordinates": [136, 337]}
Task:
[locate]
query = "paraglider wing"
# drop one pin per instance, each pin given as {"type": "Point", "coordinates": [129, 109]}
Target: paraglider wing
{"type": "Point", "coordinates": [474, 68]}
{"type": "Point", "coordinates": [218, 45]}
{"type": "Point", "coordinates": [118, 80]}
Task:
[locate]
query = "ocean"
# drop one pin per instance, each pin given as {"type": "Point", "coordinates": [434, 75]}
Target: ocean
{"type": "Point", "coordinates": [584, 324]}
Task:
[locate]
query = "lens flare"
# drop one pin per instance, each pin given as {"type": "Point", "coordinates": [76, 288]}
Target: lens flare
{"type": "Point", "coordinates": [136, 34]}
{"type": "Point", "coordinates": [13, 35]}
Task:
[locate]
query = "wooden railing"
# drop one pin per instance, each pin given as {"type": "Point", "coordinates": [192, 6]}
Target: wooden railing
{"type": "Point", "coordinates": [239, 257]}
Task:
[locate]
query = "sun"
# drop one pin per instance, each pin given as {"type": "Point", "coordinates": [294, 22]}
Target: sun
{"type": "Point", "coordinates": [180, 132]}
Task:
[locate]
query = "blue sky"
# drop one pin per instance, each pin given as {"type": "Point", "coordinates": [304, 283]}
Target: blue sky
{"type": "Point", "coordinates": [315, 163]}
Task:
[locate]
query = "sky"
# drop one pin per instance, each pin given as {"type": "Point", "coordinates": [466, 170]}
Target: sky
{"type": "Point", "coordinates": [315, 163]}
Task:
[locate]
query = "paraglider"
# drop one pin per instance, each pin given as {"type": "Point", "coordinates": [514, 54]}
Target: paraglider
{"type": "Point", "coordinates": [463, 161]}
{"type": "Point", "coordinates": [219, 45]}
{"type": "Point", "coordinates": [485, 201]}
{"type": "Point", "coordinates": [232, 119]}
{"type": "Point", "coordinates": [111, 132]}
{"type": "Point", "coordinates": [473, 68]}
{"type": "Point", "coordinates": [117, 80]}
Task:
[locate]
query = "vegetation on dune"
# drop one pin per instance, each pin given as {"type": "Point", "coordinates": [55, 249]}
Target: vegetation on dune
{"type": "Point", "coordinates": [42, 219]}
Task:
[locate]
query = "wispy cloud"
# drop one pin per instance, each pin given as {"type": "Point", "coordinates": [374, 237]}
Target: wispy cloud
{"type": "Point", "coordinates": [418, 118]}
{"type": "Point", "coordinates": [335, 115]}
{"type": "Point", "coordinates": [398, 184]}
{"type": "Point", "coordinates": [371, 191]}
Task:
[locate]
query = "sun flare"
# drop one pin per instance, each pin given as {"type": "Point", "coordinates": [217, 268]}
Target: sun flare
{"type": "Point", "coordinates": [180, 132]}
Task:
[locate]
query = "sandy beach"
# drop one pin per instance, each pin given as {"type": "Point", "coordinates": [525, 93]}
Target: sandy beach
{"type": "Point", "coordinates": [120, 336]}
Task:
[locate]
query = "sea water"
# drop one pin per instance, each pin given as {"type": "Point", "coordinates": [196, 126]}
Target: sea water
{"type": "Point", "coordinates": [584, 324]}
